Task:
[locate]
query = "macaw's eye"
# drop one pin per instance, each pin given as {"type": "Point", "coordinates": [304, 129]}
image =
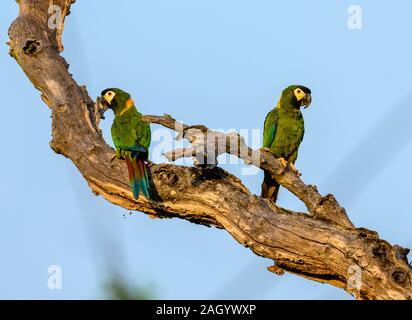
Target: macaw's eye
{"type": "Point", "coordinates": [109, 93]}
{"type": "Point", "coordinates": [299, 91]}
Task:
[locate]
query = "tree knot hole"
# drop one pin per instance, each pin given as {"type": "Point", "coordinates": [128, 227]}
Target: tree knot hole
{"type": "Point", "coordinates": [31, 47]}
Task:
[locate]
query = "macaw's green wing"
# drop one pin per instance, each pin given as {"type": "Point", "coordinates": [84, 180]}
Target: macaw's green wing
{"type": "Point", "coordinates": [269, 130]}
{"type": "Point", "coordinates": [143, 135]}
{"type": "Point", "coordinates": [141, 181]}
{"type": "Point", "coordinates": [131, 133]}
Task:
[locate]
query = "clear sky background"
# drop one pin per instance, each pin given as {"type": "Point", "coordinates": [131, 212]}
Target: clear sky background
{"type": "Point", "coordinates": [222, 64]}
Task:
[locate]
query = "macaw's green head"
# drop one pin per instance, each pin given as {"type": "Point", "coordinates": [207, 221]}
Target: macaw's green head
{"type": "Point", "coordinates": [297, 96]}
{"type": "Point", "coordinates": [116, 99]}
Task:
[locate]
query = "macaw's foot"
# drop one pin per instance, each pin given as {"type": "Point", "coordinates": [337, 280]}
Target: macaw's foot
{"type": "Point", "coordinates": [283, 162]}
{"type": "Point", "coordinates": [149, 163]}
{"type": "Point", "coordinates": [112, 158]}
{"type": "Point", "coordinates": [292, 166]}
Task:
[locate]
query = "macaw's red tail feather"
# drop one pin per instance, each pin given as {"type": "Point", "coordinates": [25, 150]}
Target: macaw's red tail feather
{"type": "Point", "coordinates": [270, 188]}
{"type": "Point", "coordinates": [139, 180]}
{"type": "Point", "coordinates": [140, 171]}
{"type": "Point", "coordinates": [130, 168]}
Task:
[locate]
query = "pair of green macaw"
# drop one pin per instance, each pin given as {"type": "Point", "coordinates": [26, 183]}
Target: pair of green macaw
{"type": "Point", "coordinates": [283, 133]}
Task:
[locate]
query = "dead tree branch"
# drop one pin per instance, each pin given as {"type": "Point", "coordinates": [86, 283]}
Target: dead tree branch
{"type": "Point", "coordinates": [322, 245]}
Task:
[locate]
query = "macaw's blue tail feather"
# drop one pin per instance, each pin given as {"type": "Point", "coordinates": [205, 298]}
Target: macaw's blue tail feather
{"type": "Point", "coordinates": [141, 175]}
{"type": "Point", "coordinates": [139, 180]}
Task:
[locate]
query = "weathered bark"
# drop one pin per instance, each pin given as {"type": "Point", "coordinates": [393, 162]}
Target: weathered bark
{"type": "Point", "coordinates": [322, 245]}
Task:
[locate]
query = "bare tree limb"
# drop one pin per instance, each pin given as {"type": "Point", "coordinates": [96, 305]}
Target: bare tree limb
{"type": "Point", "coordinates": [203, 139]}
{"type": "Point", "coordinates": [322, 245]}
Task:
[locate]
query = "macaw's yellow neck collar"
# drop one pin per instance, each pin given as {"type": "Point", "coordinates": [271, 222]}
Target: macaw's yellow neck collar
{"type": "Point", "coordinates": [129, 104]}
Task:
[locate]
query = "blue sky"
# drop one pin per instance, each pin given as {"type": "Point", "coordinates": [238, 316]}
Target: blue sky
{"type": "Point", "coordinates": [222, 64]}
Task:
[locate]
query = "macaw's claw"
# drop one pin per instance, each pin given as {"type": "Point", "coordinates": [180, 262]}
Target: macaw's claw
{"type": "Point", "coordinates": [149, 163]}
{"type": "Point", "coordinates": [283, 161]}
{"type": "Point", "coordinates": [290, 165]}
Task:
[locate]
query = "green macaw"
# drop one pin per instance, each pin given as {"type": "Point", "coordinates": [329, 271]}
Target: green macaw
{"type": "Point", "coordinates": [131, 137]}
{"type": "Point", "coordinates": [283, 132]}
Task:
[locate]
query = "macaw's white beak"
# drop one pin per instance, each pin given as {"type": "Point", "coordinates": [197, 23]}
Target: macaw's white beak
{"type": "Point", "coordinates": [102, 106]}
{"type": "Point", "coordinates": [307, 100]}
